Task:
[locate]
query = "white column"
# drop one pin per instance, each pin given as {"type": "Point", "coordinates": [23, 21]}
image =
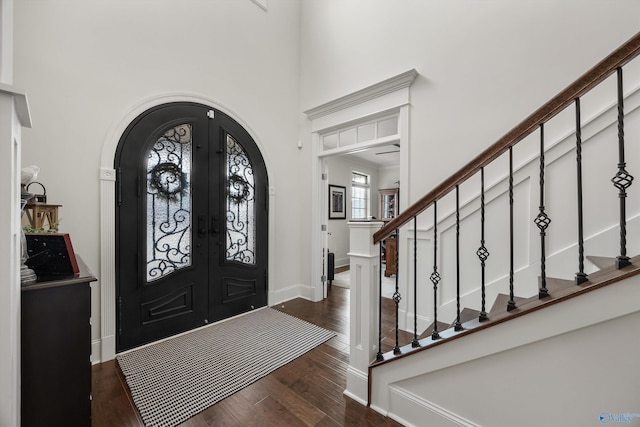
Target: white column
{"type": "Point", "coordinates": [107, 281]}
{"type": "Point", "coordinates": [14, 114]}
{"type": "Point", "coordinates": [364, 303]}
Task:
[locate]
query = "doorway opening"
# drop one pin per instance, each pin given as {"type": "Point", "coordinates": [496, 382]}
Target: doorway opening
{"type": "Point", "coordinates": [366, 176]}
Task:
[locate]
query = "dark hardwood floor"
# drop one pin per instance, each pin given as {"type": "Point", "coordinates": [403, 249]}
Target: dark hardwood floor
{"type": "Point", "coordinates": [305, 392]}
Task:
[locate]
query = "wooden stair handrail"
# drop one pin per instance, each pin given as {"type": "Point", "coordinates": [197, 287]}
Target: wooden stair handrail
{"type": "Point", "coordinates": [582, 85]}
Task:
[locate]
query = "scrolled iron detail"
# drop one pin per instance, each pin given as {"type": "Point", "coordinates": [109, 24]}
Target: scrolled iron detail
{"type": "Point", "coordinates": [622, 180]}
{"type": "Point", "coordinates": [239, 189]}
{"type": "Point", "coordinates": [167, 179]}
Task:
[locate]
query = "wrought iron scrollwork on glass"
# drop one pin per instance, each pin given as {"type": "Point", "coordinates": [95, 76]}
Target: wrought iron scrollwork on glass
{"type": "Point", "coordinates": [167, 179]}
{"type": "Point", "coordinates": [169, 203]}
{"type": "Point", "coordinates": [241, 208]}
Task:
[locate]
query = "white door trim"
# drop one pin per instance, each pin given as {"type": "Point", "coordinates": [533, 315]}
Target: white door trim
{"type": "Point", "coordinates": [388, 96]}
{"type": "Point", "coordinates": [107, 211]}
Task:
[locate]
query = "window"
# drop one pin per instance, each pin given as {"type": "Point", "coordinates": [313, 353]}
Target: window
{"type": "Point", "coordinates": [359, 195]}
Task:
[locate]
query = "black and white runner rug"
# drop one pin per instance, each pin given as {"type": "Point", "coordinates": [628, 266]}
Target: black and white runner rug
{"type": "Point", "coordinates": [174, 379]}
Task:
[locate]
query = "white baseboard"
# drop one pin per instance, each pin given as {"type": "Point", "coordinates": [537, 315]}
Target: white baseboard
{"type": "Point", "coordinates": [280, 295]}
{"type": "Point", "coordinates": [103, 349]}
{"type": "Point", "coordinates": [96, 352]}
{"type": "Point", "coordinates": [108, 348]}
{"type": "Point", "coordinates": [418, 411]}
{"type": "Point", "coordinates": [342, 262]}
{"type": "Point", "coordinates": [354, 397]}
{"type": "Point", "coordinates": [357, 385]}
{"type": "Point", "coordinates": [380, 410]}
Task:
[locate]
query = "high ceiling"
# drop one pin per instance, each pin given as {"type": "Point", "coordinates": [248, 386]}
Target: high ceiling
{"type": "Point", "coordinates": [388, 155]}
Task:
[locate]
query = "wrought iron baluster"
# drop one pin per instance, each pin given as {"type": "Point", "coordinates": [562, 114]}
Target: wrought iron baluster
{"type": "Point", "coordinates": [482, 252]}
{"type": "Point", "coordinates": [622, 180]}
{"type": "Point", "coordinates": [396, 294]}
{"type": "Point", "coordinates": [512, 303]}
{"type": "Point", "coordinates": [435, 276]}
{"type": "Point", "coordinates": [415, 343]}
{"type": "Point", "coordinates": [581, 276]}
{"type": "Point", "coordinates": [542, 221]}
{"type": "Point", "coordinates": [458, 325]}
{"type": "Point", "coordinates": [379, 356]}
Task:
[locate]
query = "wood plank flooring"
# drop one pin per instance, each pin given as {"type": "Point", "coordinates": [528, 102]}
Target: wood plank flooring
{"type": "Point", "coordinates": [305, 392]}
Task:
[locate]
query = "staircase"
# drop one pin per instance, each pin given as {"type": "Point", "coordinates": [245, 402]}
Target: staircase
{"type": "Point", "coordinates": [559, 290]}
{"type": "Point", "coordinates": [566, 365]}
{"type": "Point", "coordinates": [582, 312]}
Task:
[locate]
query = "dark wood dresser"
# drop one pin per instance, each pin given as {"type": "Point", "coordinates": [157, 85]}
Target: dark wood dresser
{"type": "Point", "coordinates": [56, 351]}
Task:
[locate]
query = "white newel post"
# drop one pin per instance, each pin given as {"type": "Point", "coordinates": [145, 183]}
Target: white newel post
{"type": "Point", "coordinates": [364, 300]}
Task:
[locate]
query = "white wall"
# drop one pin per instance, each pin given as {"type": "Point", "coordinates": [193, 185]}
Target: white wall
{"type": "Point", "coordinates": [88, 64]}
{"type": "Point", "coordinates": [388, 177]}
{"type": "Point", "coordinates": [484, 66]}
{"type": "Point", "coordinates": [340, 168]}
{"type": "Point", "coordinates": [6, 41]}
{"type": "Point", "coordinates": [546, 380]}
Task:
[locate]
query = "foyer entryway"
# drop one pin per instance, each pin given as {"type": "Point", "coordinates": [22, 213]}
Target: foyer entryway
{"type": "Point", "coordinates": [342, 279]}
{"type": "Point", "coordinates": [191, 223]}
{"type": "Point", "coordinates": [306, 391]}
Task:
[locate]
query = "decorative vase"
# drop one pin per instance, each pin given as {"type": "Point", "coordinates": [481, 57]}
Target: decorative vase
{"type": "Point", "coordinates": [27, 275]}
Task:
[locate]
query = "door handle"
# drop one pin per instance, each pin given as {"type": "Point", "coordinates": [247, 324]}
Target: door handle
{"type": "Point", "coordinates": [202, 225]}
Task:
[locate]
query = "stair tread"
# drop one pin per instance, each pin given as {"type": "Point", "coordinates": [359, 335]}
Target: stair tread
{"type": "Point", "coordinates": [500, 303]}
{"type": "Point", "coordinates": [601, 261]}
{"type": "Point", "coordinates": [563, 289]}
{"type": "Point", "coordinates": [427, 332]}
{"type": "Point", "coordinates": [554, 287]}
{"type": "Point", "coordinates": [554, 284]}
{"type": "Point", "coordinates": [611, 269]}
{"type": "Point", "coordinates": [388, 342]}
{"type": "Point", "coordinates": [465, 315]}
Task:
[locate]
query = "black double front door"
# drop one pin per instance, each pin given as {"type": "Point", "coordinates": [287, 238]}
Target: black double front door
{"type": "Point", "coordinates": [191, 223]}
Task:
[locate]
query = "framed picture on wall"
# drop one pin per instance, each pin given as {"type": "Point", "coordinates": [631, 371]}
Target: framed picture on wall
{"type": "Point", "coordinates": [337, 202]}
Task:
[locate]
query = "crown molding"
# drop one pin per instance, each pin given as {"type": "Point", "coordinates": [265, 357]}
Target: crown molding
{"type": "Point", "coordinates": [392, 84]}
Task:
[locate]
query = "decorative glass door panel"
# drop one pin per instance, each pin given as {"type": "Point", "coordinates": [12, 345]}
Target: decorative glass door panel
{"type": "Point", "coordinates": [169, 203]}
{"type": "Point", "coordinates": [241, 241]}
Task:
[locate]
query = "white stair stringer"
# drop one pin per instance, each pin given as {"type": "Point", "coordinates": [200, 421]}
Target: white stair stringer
{"type": "Point", "coordinates": [566, 364]}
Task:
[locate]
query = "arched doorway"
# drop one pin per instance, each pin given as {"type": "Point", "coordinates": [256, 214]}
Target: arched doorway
{"type": "Point", "coordinates": [191, 222]}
